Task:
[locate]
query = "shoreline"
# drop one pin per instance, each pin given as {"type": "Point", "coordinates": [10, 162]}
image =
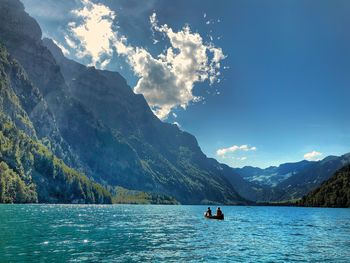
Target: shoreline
{"type": "Point", "coordinates": [222, 205]}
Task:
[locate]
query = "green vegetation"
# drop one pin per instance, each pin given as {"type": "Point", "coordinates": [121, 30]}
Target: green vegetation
{"type": "Point", "coordinates": [9, 102]}
{"type": "Point", "coordinates": [13, 189]}
{"type": "Point", "coordinates": [125, 196]}
{"type": "Point", "coordinates": [334, 192]}
{"type": "Point", "coordinates": [29, 172]}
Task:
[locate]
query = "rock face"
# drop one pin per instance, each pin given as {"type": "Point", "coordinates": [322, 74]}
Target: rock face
{"type": "Point", "coordinates": [170, 157]}
{"type": "Point", "coordinates": [94, 122]}
{"type": "Point", "coordinates": [335, 192]}
{"type": "Point", "coordinates": [29, 171]}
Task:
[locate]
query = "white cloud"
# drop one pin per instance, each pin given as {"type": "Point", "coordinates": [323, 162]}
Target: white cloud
{"type": "Point", "coordinates": [222, 152]}
{"type": "Point", "coordinates": [70, 42]}
{"type": "Point", "coordinates": [167, 80]}
{"type": "Point", "coordinates": [313, 156]}
{"type": "Point", "coordinates": [153, 20]}
{"type": "Point", "coordinates": [93, 36]}
{"type": "Point", "coordinates": [63, 49]}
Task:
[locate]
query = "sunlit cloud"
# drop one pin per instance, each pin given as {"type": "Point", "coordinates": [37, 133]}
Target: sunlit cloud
{"type": "Point", "coordinates": [235, 148]}
{"type": "Point", "coordinates": [313, 156]}
{"type": "Point", "coordinates": [64, 50]}
{"type": "Point", "coordinates": [166, 80]}
{"type": "Point", "coordinates": [92, 37]}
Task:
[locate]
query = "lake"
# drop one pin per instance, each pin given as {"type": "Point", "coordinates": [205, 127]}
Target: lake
{"type": "Point", "coordinates": [152, 233]}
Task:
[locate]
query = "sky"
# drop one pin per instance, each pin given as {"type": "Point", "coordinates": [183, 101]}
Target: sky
{"type": "Point", "coordinates": [258, 83]}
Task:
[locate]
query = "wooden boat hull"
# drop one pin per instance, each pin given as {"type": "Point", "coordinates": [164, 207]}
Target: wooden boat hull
{"type": "Point", "coordinates": [215, 217]}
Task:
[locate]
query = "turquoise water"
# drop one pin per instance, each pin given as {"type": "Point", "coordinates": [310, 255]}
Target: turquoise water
{"type": "Point", "coordinates": [126, 233]}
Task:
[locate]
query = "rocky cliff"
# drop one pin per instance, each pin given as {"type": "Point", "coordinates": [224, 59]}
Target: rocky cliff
{"type": "Point", "coordinates": [93, 121]}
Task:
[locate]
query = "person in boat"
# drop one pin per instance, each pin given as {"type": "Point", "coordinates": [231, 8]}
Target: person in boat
{"type": "Point", "coordinates": [208, 213]}
{"type": "Point", "coordinates": [218, 212]}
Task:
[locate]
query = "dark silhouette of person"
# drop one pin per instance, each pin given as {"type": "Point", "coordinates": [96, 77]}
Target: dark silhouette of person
{"type": "Point", "coordinates": [208, 213]}
{"type": "Point", "coordinates": [218, 212]}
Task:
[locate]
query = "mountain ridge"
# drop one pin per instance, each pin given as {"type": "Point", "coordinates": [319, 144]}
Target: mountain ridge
{"type": "Point", "coordinates": [290, 180]}
{"type": "Point", "coordinates": [118, 141]}
{"type": "Point", "coordinates": [149, 129]}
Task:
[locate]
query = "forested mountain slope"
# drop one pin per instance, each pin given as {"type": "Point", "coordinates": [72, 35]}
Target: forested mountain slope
{"type": "Point", "coordinates": [335, 192]}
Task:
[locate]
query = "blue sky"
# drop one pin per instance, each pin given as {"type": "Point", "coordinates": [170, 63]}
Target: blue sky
{"type": "Point", "coordinates": [284, 87]}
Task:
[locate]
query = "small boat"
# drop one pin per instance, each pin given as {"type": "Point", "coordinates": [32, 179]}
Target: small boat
{"type": "Point", "coordinates": [214, 217]}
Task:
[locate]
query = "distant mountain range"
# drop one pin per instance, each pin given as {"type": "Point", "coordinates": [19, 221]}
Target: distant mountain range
{"type": "Point", "coordinates": [288, 181]}
{"type": "Point", "coordinates": [91, 121]}
{"type": "Point", "coordinates": [272, 175]}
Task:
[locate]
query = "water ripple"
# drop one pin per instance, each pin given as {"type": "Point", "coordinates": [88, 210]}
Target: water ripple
{"type": "Point", "coordinates": [119, 233]}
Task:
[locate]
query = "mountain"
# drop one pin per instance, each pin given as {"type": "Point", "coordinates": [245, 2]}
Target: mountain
{"type": "Point", "coordinates": [95, 123]}
{"type": "Point", "coordinates": [335, 192]}
{"type": "Point", "coordinates": [250, 190]}
{"type": "Point", "coordinates": [272, 175]}
{"type": "Point", "coordinates": [311, 176]}
{"type": "Point", "coordinates": [29, 171]}
{"type": "Point", "coordinates": [288, 181]}
{"type": "Point", "coordinates": [168, 154]}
